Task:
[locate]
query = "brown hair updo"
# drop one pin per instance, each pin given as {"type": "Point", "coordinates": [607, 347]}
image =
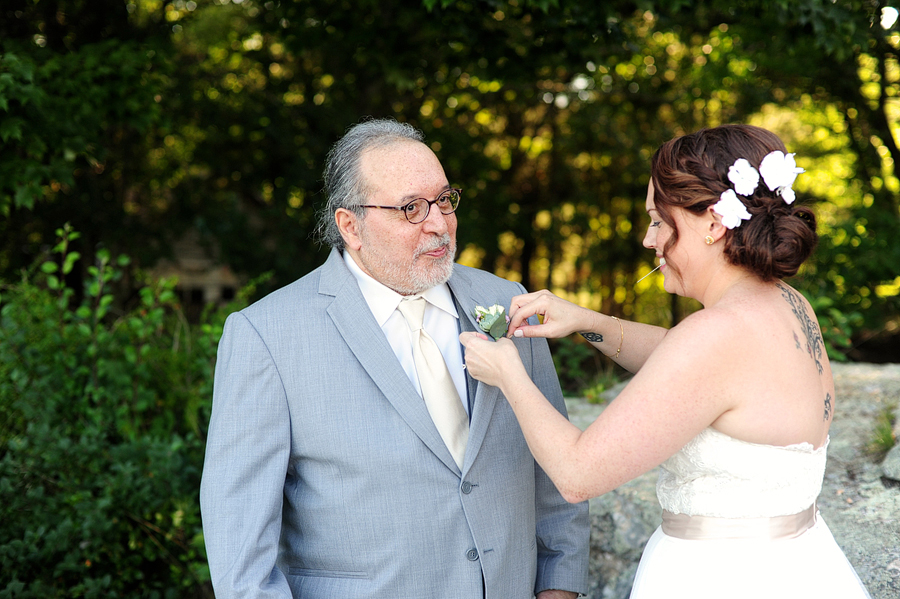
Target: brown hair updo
{"type": "Point", "coordinates": [691, 172]}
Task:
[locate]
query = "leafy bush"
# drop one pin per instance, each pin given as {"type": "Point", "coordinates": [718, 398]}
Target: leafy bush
{"type": "Point", "coordinates": [837, 326]}
{"type": "Point", "coordinates": [583, 370]}
{"type": "Point", "coordinates": [603, 382]}
{"type": "Point", "coordinates": [576, 363]}
{"type": "Point", "coordinates": [101, 437]}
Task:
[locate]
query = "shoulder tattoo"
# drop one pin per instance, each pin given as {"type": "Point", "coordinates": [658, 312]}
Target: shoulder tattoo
{"type": "Point", "coordinates": [592, 337]}
{"type": "Point", "coordinates": [808, 325]}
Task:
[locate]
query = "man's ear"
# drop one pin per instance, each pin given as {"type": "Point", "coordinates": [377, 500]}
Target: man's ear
{"type": "Point", "coordinates": [714, 226]}
{"type": "Point", "coordinates": [348, 224]}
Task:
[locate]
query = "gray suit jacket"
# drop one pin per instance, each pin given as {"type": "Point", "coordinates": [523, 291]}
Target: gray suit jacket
{"type": "Point", "coordinates": [326, 478]}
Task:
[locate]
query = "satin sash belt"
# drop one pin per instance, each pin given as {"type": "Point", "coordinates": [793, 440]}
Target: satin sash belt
{"type": "Point", "coordinates": [698, 528]}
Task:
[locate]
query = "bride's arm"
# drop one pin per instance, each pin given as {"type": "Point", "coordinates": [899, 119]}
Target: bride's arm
{"type": "Point", "coordinates": [665, 405]}
{"type": "Point", "coordinates": [627, 343]}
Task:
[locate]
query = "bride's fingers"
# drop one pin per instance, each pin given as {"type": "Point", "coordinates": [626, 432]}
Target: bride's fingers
{"type": "Point", "coordinates": [527, 298]}
{"type": "Point", "coordinates": [525, 306]}
{"type": "Point", "coordinates": [553, 311]}
{"type": "Point", "coordinates": [520, 317]}
{"type": "Point", "coordinates": [529, 330]}
{"type": "Point", "coordinates": [480, 355]}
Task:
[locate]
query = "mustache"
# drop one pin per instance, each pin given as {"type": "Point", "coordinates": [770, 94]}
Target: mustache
{"type": "Point", "coordinates": [434, 244]}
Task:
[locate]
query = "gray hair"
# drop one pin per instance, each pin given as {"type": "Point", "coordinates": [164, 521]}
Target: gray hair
{"type": "Point", "coordinates": [345, 186]}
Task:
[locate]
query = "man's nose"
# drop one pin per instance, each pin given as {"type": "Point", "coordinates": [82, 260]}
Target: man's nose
{"type": "Point", "coordinates": [436, 221]}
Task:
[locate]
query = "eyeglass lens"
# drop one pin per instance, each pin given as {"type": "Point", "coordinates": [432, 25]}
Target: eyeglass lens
{"type": "Point", "coordinates": [417, 210]}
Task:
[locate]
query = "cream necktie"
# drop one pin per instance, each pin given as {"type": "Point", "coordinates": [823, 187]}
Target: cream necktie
{"type": "Point", "coordinates": [438, 390]}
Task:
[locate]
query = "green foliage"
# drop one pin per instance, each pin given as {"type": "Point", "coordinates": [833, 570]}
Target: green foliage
{"type": "Point", "coordinates": [582, 370]}
{"type": "Point", "coordinates": [81, 108]}
{"type": "Point", "coordinates": [55, 115]}
{"type": "Point", "coordinates": [572, 360]}
{"type": "Point", "coordinates": [603, 382]}
{"type": "Point", "coordinates": [101, 438]}
{"type": "Point", "coordinates": [17, 87]}
{"type": "Point", "coordinates": [837, 326]}
{"type": "Point", "coordinates": [577, 363]}
{"type": "Point", "coordinates": [883, 438]}
{"type": "Point", "coordinates": [543, 5]}
{"type": "Point", "coordinates": [824, 75]}
{"type": "Point", "coordinates": [141, 121]}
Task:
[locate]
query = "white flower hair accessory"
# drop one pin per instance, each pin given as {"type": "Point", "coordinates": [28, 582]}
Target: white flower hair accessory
{"type": "Point", "coordinates": [744, 177]}
{"type": "Point", "coordinates": [731, 209]}
{"type": "Point", "coordinates": [779, 170]}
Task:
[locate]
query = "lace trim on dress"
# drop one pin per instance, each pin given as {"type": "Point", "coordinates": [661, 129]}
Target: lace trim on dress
{"type": "Point", "coordinates": [719, 476]}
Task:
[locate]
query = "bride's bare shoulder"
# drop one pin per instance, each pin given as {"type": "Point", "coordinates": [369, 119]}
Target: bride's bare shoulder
{"type": "Point", "coordinates": [700, 336]}
{"type": "Point", "coordinates": [718, 330]}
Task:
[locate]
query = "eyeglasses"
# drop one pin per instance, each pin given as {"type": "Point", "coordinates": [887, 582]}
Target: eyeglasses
{"type": "Point", "coordinates": [417, 210]}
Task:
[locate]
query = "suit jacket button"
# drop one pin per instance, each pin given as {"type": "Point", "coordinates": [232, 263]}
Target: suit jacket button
{"type": "Point", "coordinates": [466, 487]}
{"type": "Point", "coordinates": [472, 555]}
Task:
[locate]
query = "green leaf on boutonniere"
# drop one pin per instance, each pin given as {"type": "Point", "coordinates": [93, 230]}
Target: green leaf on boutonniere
{"type": "Point", "coordinates": [492, 321]}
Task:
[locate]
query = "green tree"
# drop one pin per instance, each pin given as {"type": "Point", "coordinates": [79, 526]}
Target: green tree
{"type": "Point", "coordinates": [81, 85]}
{"type": "Point", "coordinates": [215, 117]}
{"type": "Point", "coordinates": [828, 76]}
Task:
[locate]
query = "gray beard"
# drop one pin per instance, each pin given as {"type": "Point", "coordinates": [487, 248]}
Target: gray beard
{"type": "Point", "coordinates": [408, 279]}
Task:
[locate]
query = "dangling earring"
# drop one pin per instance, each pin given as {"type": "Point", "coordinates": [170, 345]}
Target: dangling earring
{"type": "Point", "coordinates": [709, 240]}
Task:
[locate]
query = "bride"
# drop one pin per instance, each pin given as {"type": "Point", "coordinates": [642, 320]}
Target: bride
{"type": "Point", "coordinates": [734, 403]}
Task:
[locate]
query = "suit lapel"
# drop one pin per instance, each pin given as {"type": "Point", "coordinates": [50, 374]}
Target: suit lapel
{"type": "Point", "coordinates": [359, 330]}
{"type": "Point", "coordinates": [465, 326]}
{"type": "Point", "coordinates": [484, 397]}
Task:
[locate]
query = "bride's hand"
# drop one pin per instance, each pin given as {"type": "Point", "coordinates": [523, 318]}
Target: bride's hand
{"type": "Point", "coordinates": [492, 363]}
{"type": "Point", "coordinates": [560, 318]}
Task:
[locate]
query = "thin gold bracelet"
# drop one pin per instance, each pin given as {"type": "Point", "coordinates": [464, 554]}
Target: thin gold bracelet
{"type": "Point", "coordinates": [621, 340]}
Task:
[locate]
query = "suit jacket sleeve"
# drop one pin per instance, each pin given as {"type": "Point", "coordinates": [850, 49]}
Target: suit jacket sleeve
{"type": "Point", "coordinates": [244, 471]}
{"type": "Point", "coordinates": [563, 529]}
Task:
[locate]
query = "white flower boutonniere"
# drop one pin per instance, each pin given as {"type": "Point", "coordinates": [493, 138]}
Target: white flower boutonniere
{"type": "Point", "coordinates": [779, 170]}
{"type": "Point", "coordinates": [493, 320]}
{"type": "Point", "coordinates": [744, 177]}
{"type": "Point", "coordinates": [731, 209]}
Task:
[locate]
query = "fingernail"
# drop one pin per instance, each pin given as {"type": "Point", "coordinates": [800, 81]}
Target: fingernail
{"type": "Point", "coordinates": [518, 333]}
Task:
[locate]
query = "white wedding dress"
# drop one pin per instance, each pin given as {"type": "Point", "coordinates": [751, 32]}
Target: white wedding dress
{"type": "Point", "coordinates": [755, 536]}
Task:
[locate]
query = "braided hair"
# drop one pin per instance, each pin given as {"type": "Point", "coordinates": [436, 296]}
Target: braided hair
{"type": "Point", "coordinates": [691, 172]}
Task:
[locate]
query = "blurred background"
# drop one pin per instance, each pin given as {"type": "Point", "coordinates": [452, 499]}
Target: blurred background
{"type": "Point", "coordinates": [160, 165]}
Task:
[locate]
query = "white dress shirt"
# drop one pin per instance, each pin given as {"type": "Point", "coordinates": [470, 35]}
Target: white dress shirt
{"type": "Point", "coordinates": [441, 322]}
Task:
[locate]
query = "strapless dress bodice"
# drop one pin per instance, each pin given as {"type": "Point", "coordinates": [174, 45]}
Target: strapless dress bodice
{"type": "Point", "coordinates": [717, 475]}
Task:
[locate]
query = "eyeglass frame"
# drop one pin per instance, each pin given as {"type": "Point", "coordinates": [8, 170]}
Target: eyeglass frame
{"type": "Point", "coordinates": [428, 203]}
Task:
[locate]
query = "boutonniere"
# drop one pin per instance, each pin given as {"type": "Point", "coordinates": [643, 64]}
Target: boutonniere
{"type": "Point", "coordinates": [493, 320]}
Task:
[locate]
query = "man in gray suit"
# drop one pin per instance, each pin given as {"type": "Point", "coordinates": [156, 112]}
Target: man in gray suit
{"type": "Point", "coordinates": [327, 474]}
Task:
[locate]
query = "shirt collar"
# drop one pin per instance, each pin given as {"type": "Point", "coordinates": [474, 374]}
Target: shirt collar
{"type": "Point", "coordinates": [383, 301]}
